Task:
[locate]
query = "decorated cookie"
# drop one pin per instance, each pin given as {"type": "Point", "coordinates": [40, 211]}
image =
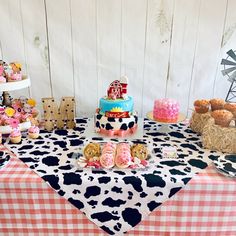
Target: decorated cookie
{"type": "Point", "coordinates": [92, 150]}
{"type": "Point", "coordinates": [140, 151]}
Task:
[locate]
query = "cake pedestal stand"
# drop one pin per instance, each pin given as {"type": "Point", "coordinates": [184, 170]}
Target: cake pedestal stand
{"type": "Point", "coordinates": [6, 101]}
{"type": "Point", "coordinates": [12, 86]}
{"type": "Point", "coordinates": [165, 125]}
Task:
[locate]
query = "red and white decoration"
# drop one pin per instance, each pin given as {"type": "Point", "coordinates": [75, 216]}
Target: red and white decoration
{"type": "Point", "coordinates": [118, 89]}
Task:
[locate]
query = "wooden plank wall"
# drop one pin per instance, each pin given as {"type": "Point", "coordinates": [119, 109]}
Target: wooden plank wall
{"type": "Point", "coordinates": [167, 48]}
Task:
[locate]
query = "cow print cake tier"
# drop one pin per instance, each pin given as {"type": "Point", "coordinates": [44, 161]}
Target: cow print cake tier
{"type": "Point", "coordinates": [115, 115]}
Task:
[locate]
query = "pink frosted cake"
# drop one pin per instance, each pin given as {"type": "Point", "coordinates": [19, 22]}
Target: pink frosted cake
{"type": "Point", "coordinates": [166, 110]}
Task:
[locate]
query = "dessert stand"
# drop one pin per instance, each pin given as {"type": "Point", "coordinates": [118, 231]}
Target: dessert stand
{"type": "Point", "coordinates": [6, 101]}
{"type": "Point", "coordinates": [165, 125]}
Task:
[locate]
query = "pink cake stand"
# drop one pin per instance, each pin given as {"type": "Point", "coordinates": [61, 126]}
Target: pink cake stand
{"type": "Point", "coordinates": [165, 125]}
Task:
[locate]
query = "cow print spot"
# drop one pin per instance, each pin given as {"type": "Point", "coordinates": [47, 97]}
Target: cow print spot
{"type": "Point", "coordinates": [176, 172]}
{"type": "Point", "coordinates": [231, 158]}
{"type": "Point", "coordinates": [52, 180]}
{"type": "Point", "coordinates": [131, 124]}
{"type": "Point", "coordinates": [50, 161]}
{"type": "Point", "coordinates": [72, 178]}
{"type": "Point", "coordinates": [76, 203]}
{"type": "Point", "coordinates": [99, 117]}
{"type": "Point", "coordinates": [152, 205]}
{"type": "Point", "coordinates": [67, 167]}
{"type": "Point", "coordinates": [39, 153]}
{"type": "Point", "coordinates": [108, 126]}
{"type": "Point", "coordinates": [190, 146]}
{"type": "Point", "coordinates": [113, 203]}
{"type": "Point", "coordinates": [106, 229]}
{"type": "Point", "coordinates": [26, 147]}
{"type": "Point", "coordinates": [104, 216]}
{"type": "Point", "coordinates": [143, 194]}
{"type": "Point", "coordinates": [176, 134]}
{"type": "Point", "coordinates": [185, 180]}
{"type": "Point", "coordinates": [135, 182]}
{"type": "Point", "coordinates": [104, 180]}
{"type": "Point", "coordinates": [76, 142]}
{"type": "Point", "coordinates": [197, 163]}
{"type": "Point", "coordinates": [29, 159]}
{"type": "Point", "coordinates": [131, 216]}
{"type": "Point", "coordinates": [174, 191]}
{"type": "Point", "coordinates": [61, 193]}
{"type": "Point", "coordinates": [172, 163]}
{"type": "Point", "coordinates": [119, 172]}
{"type": "Point", "coordinates": [93, 203]}
{"type": "Point", "coordinates": [229, 167]}
{"type": "Point", "coordinates": [154, 181]}
{"type": "Point", "coordinates": [61, 144]}
{"type": "Point", "coordinates": [123, 127]}
{"type": "Point", "coordinates": [117, 227]}
{"type": "Point", "coordinates": [61, 132]}
{"type": "Point", "coordinates": [92, 191]}
{"type": "Point", "coordinates": [116, 190]}
{"type": "Point", "coordinates": [98, 124]}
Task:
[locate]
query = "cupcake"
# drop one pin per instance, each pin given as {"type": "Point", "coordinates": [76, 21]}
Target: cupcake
{"type": "Point", "coordinates": [201, 106]}
{"type": "Point", "coordinates": [33, 132]}
{"type": "Point", "coordinates": [231, 107]}
{"type": "Point", "coordinates": [217, 104]}
{"type": "Point", "coordinates": [222, 117]}
{"type": "Point", "coordinates": [15, 136]}
{"type": "Point", "coordinates": [2, 79]}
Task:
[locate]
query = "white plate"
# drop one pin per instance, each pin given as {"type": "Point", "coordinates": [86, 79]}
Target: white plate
{"type": "Point", "coordinates": [226, 164]}
{"type": "Point", "coordinates": [78, 155]}
{"type": "Point", "coordinates": [6, 129]}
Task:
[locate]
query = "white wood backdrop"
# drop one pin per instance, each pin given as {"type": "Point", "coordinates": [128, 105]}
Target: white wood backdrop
{"type": "Point", "coordinates": [167, 48]}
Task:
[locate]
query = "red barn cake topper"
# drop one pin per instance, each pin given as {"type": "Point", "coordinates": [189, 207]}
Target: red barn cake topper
{"type": "Point", "coordinates": [118, 89]}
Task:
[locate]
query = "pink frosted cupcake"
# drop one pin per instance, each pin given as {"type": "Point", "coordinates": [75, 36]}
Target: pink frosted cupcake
{"type": "Point", "coordinates": [15, 136]}
{"type": "Point", "coordinates": [33, 132]}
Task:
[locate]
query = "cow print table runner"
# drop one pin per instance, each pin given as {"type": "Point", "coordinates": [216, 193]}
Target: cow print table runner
{"type": "Point", "coordinates": [115, 200]}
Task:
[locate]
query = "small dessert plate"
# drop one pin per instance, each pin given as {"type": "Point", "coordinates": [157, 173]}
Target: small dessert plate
{"type": "Point", "coordinates": [4, 158]}
{"type": "Point", "coordinates": [226, 165]}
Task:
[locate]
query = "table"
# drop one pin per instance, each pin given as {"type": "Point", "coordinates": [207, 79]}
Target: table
{"type": "Point", "coordinates": [206, 206]}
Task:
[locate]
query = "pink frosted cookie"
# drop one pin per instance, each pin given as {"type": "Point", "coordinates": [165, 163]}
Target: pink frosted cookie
{"type": "Point", "coordinates": [107, 158]}
{"type": "Point", "coordinates": [123, 156]}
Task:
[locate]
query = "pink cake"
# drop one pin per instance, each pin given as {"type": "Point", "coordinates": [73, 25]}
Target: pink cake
{"type": "Point", "coordinates": [166, 110]}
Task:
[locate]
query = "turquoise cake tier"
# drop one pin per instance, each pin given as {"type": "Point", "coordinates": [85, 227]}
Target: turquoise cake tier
{"type": "Point", "coordinates": [116, 105]}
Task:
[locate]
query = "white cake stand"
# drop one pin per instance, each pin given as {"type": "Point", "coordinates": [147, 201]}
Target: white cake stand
{"type": "Point", "coordinates": [165, 125]}
{"type": "Point", "coordinates": [12, 86]}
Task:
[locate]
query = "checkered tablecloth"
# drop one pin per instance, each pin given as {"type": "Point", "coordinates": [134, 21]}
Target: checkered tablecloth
{"type": "Point", "coordinates": [28, 206]}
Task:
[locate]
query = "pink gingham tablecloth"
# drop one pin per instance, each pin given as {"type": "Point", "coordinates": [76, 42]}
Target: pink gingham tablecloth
{"type": "Point", "coordinates": [28, 206]}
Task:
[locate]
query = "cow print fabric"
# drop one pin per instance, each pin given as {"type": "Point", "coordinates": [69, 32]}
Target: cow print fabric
{"type": "Point", "coordinates": [116, 200]}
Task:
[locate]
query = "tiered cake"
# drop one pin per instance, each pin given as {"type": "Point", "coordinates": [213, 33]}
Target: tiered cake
{"type": "Point", "coordinates": [115, 115]}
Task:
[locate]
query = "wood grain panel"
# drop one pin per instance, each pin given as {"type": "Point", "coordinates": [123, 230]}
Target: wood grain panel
{"type": "Point", "coordinates": [133, 46]}
{"type": "Point", "coordinates": [60, 47]}
{"type": "Point", "coordinates": [36, 48]}
{"type": "Point", "coordinates": [84, 48]}
{"type": "Point", "coordinates": [159, 26]}
{"type": "Point", "coordinates": [108, 43]}
{"type": "Point", "coordinates": [211, 23]}
{"type": "Point", "coordinates": [183, 46]}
